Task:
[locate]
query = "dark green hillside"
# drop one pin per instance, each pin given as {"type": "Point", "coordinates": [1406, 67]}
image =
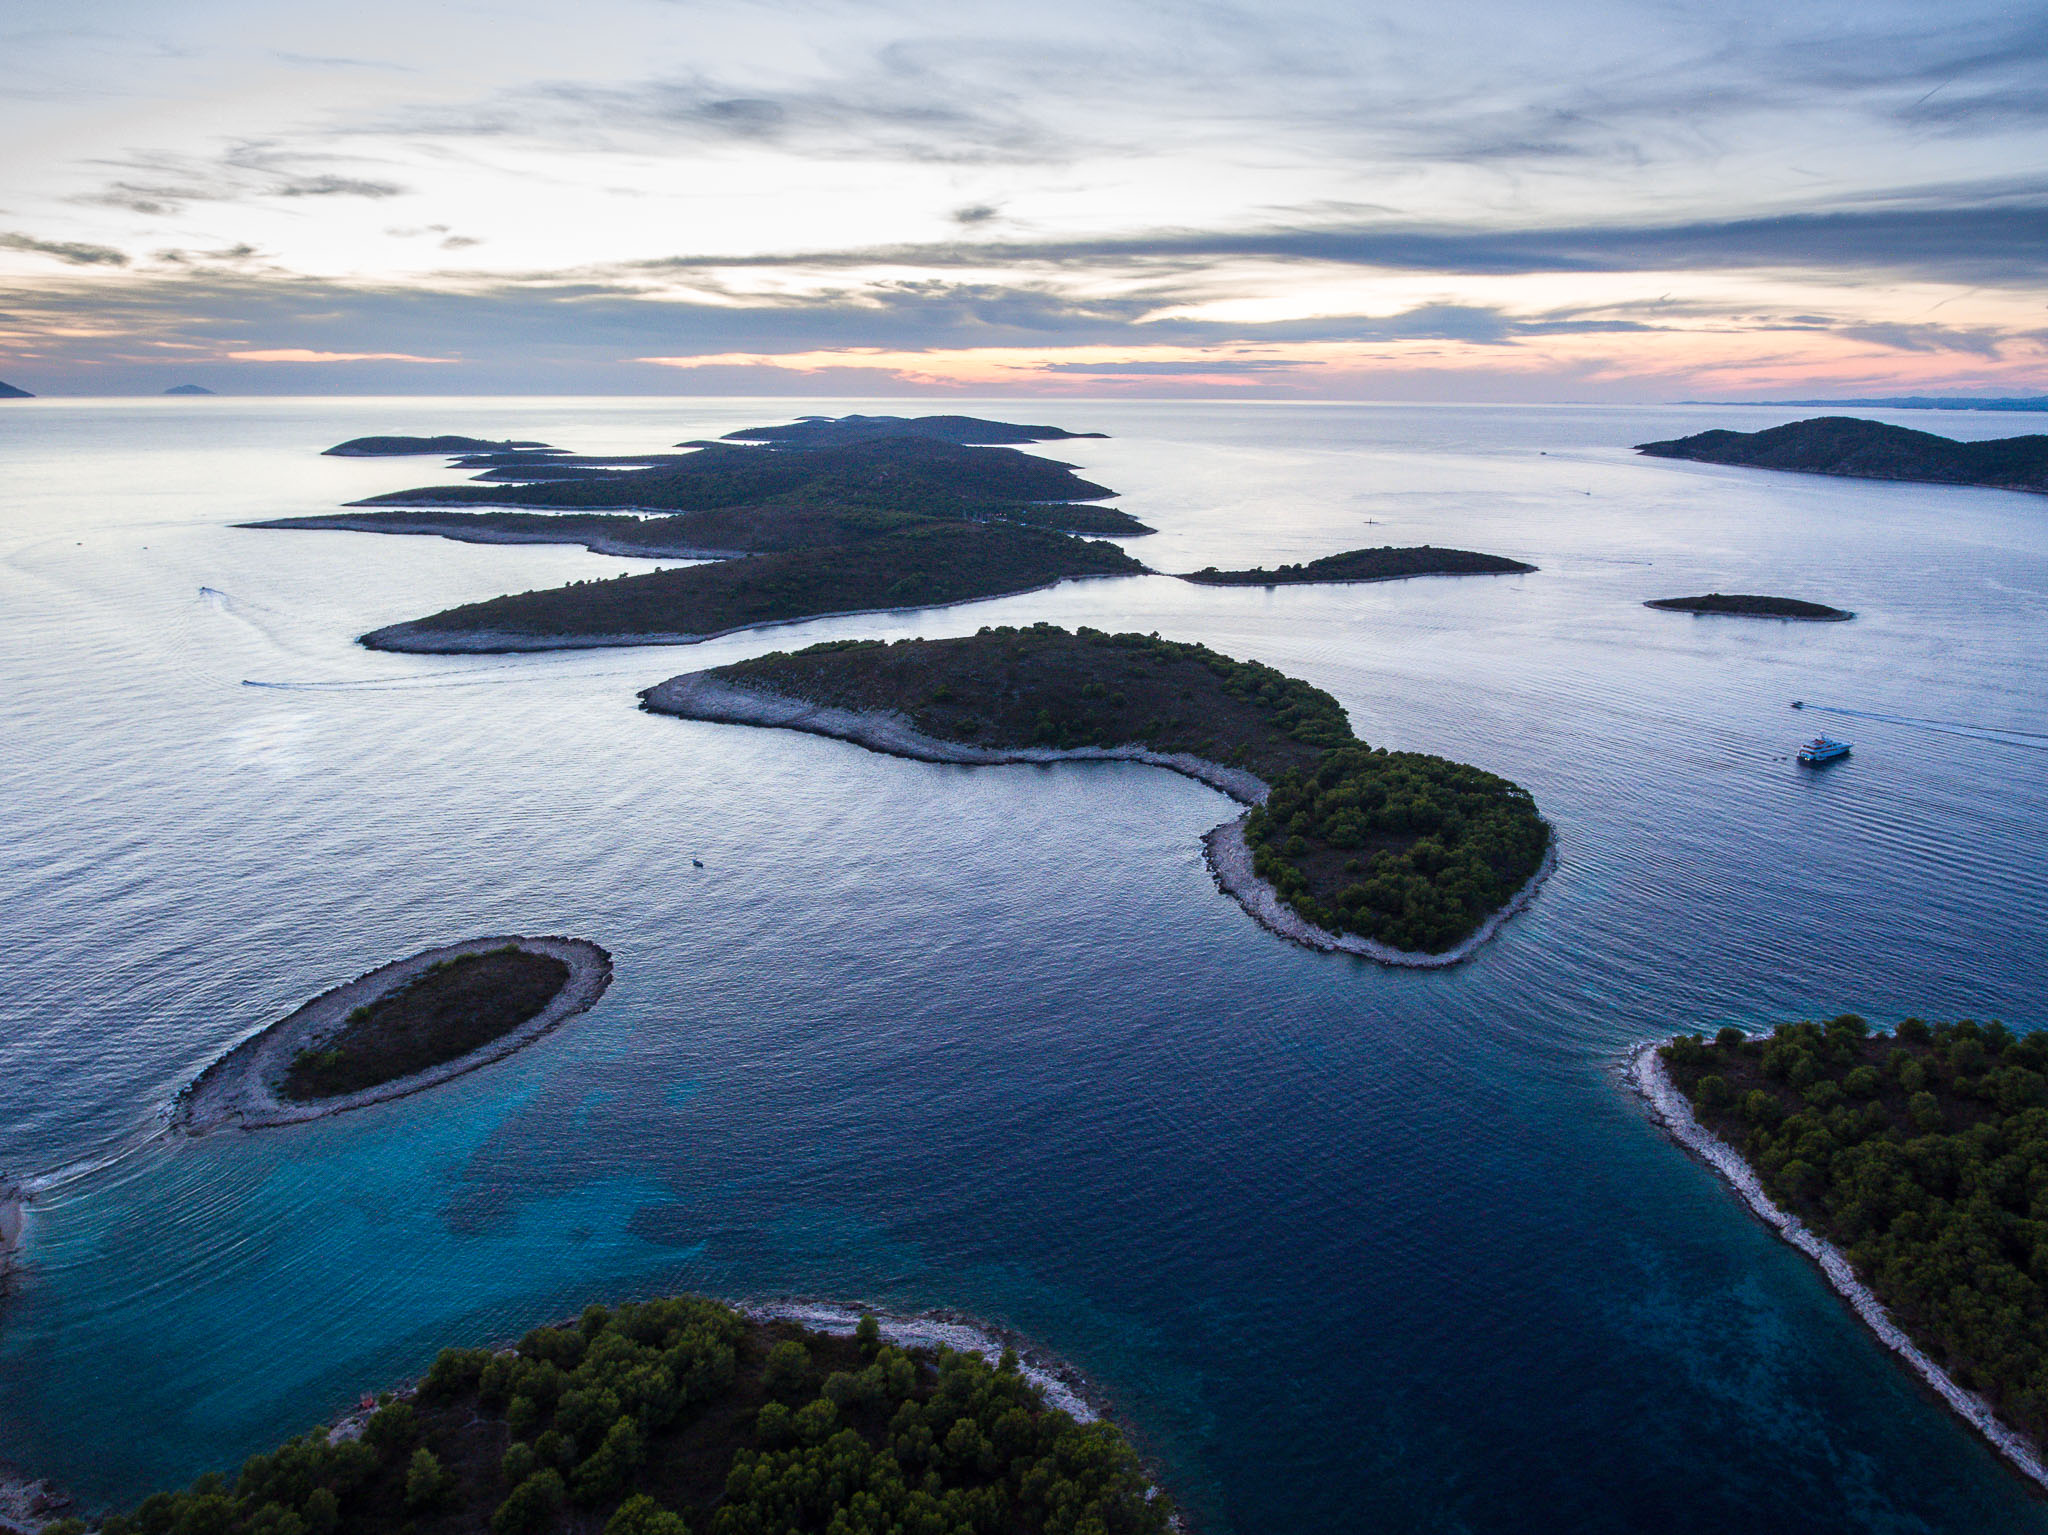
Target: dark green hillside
{"type": "Point", "coordinates": [924, 564]}
{"type": "Point", "coordinates": [681, 1417]}
{"type": "Point", "coordinates": [720, 475]}
{"type": "Point", "coordinates": [1407, 849]}
{"type": "Point", "coordinates": [1387, 564]}
{"type": "Point", "coordinates": [405, 447]}
{"type": "Point", "coordinates": [1923, 1155]}
{"type": "Point", "coordinates": [827, 431]}
{"type": "Point", "coordinates": [1871, 450]}
{"type": "Point", "coordinates": [1044, 686]}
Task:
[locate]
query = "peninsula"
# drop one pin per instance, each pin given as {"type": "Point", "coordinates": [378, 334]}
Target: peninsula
{"type": "Point", "coordinates": [667, 1417]}
{"type": "Point", "coordinates": [1397, 856]}
{"type": "Point", "coordinates": [1749, 606]}
{"type": "Point", "coordinates": [1386, 564]}
{"type": "Point", "coordinates": [1907, 1164]}
{"type": "Point", "coordinates": [404, 447]}
{"type": "Point", "coordinates": [397, 1030]}
{"type": "Point", "coordinates": [927, 563]}
{"type": "Point", "coordinates": [1870, 450]}
{"type": "Point", "coordinates": [9, 392]}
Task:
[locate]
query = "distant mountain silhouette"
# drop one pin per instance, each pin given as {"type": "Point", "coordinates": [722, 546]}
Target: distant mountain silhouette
{"type": "Point", "coordinates": [187, 389]}
{"type": "Point", "coordinates": [9, 392]}
{"type": "Point", "coordinates": [1870, 450]}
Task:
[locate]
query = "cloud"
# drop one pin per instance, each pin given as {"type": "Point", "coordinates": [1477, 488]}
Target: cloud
{"type": "Point", "coordinates": [302, 354]}
{"type": "Point", "coordinates": [1171, 367]}
{"type": "Point", "coordinates": [160, 183]}
{"type": "Point", "coordinates": [71, 252]}
{"type": "Point", "coordinates": [1996, 243]}
{"type": "Point", "coordinates": [1928, 338]}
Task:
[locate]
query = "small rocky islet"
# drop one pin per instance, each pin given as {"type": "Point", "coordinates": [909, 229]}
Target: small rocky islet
{"type": "Point", "coordinates": [1750, 605]}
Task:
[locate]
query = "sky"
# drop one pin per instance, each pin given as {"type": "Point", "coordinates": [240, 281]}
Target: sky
{"type": "Point", "coordinates": [1467, 200]}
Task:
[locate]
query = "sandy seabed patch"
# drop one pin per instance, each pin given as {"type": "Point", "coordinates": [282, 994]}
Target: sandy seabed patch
{"type": "Point", "coordinates": [244, 1088]}
{"type": "Point", "coordinates": [1649, 1079]}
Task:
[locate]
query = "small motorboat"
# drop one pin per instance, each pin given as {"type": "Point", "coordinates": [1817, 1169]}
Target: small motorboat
{"type": "Point", "coordinates": [1821, 749]}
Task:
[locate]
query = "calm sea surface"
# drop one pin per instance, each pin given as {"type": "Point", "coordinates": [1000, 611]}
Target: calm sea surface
{"type": "Point", "coordinates": [1350, 1248]}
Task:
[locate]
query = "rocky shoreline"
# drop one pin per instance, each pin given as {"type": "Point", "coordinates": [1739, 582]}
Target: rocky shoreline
{"type": "Point", "coordinates": [1648, 1078]}
{"type": "Point", "coordinates": [702, 696]}
{"type": "Point", "coordinates": [1230, 861]}
{"type": "Point", "coordinates": [241, 1089]}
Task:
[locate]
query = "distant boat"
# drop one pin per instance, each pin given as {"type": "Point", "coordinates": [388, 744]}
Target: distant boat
{"type": "Point", "coordinates": [1821, 749]}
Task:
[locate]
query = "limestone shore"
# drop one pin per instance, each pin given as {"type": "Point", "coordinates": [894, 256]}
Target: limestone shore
{"type": "Point", "coordinates": [1649, 1079]}
{"type": "Point", "coordinates": [702, 696]}
{"type": "Point", "coordinates": [244, 1087]}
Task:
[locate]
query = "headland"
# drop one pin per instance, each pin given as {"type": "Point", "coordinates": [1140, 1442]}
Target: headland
{"type": "Point", "coordinates": [1398, 856]}
{"type": "Point", "coordinates": [1869, 450]}
{"type": "Point", "coordinates": [376, 1038]}
{"type": "Point", "coordinates": [664, 1416]}
{"type": "Point", "coordinates": [926, 564]}
{"type": "Point", "coordinates": [408, 447]}
{"type": "Point", "coordinates": [1882, 1157]}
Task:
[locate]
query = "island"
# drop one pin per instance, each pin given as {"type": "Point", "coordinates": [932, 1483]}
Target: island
{"type": "Point", "coordinates": [1870, 450]}
{"type": "Point", "coordinates": [1750, 606]}
{"type": "Point", "coordinates": [928, 564]}
{"type": "Point", "coordinates": [1400, 857]}
{"type": "Point", "coordinates": [1908, 1165]}
{"type": "Point", "coordinates": [685, 1416]}
{"type": "Point", "coordinates": [188, 389]}
{"type": "Point", "coordinates": [9, 392]}
{"type": "Point", "coordinates": [405, 447]}
{"type": "Point", "coordinates": [723, 474]}
{"type": "Point", "coordinates": [964, 431]}
{"type": "Point", "coordinates": [1386, 564]}
{"type": "Point", "coordinates": [399, 1029]}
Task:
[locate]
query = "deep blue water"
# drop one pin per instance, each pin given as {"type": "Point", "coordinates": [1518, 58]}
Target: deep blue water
{"type": "Point", "coordinates": [1350, 1248]}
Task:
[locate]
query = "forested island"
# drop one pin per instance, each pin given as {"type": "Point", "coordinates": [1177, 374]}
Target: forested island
{"type": "Point", "coordinates": [1922, 1156]}
{"type": "Point", "coordinates": [408, 447]}
{"type": "Point", "coordinates": [963, 431]}
{"type": "Point", "coordinates": [1750, 606]}
{"type": "Point", "coordinates": [1870, 450]}
{"type": "Point", "coordinates": [724, 474]}
{"type": "Point", "coordinates": [398, 1029]}
{"type": "Point", "coordinates": [1399, 855]}
{"type": "Point", "coordinates": [685, 1417]}
{"type": "Point", "coordinates": [925, 563]}
{"type": "Point", "coordinates": [1385, 564]}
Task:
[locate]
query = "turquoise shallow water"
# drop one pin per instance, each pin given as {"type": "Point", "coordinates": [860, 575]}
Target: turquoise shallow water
{"type": "Point", "coordinates": [1350, 1248]}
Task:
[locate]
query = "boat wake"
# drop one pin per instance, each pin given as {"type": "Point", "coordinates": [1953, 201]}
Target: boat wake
{"type": "Point", "coordinates": [2034, 740]}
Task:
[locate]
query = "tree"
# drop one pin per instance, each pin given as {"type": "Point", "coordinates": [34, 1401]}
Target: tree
{"type": "Point", "coordinates": [428, 1483]}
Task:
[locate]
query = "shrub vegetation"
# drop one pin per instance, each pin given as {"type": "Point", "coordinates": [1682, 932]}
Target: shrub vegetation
{"type": "Point", "coordinates": [447, 1010]}
{"type": "Point", "coordinates": [681, 1417]}
{"type": "Point", "coordinates": [1923, 1155]}
{"type": "Point", "coordinates": [1386, 564]}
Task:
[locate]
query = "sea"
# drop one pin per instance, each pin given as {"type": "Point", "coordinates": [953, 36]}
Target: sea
{"type": "Point", "coordinates": [1342, 1247]}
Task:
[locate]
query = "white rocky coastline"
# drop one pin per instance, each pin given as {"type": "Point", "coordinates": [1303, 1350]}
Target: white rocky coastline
{"type": "Point", "coordinates": [1231, 862]}
{"type": "Point", "coordinates": [242, 1088]}
{"type": "Point", "coordinates": [702, 696]}
{"type": "Point", "coordinates": [1649, 1079]}
{"type": "Point", "coordinates": [1064, 1387]}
